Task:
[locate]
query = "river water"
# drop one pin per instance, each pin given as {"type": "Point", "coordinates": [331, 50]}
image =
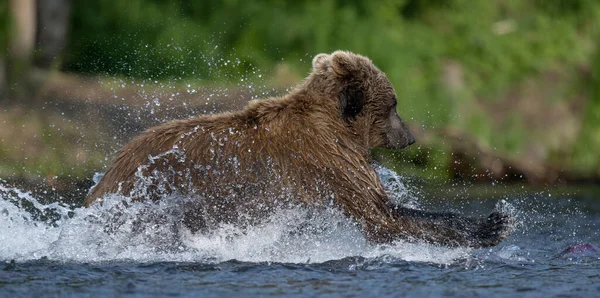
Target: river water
{"type": "Point", "coordinates": [55, 249]}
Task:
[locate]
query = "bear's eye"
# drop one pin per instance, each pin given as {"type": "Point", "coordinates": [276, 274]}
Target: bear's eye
{"type": "Point", "coordinates": [394, 102]}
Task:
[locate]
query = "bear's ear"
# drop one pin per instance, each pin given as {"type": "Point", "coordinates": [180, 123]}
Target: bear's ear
{"type": "Point", "coordinates": [344, 64]}
{"type": "Point", "coordinates": [321, 63]}
{"type": "Point", "coordinates": [352, 100]}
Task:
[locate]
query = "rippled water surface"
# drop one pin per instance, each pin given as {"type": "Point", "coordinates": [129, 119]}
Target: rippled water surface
{"type": "Point", "coordinates": [58, 250]}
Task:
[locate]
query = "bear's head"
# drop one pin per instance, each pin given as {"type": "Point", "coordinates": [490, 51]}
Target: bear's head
{"type": "Point", "coordinates": [365, 98]}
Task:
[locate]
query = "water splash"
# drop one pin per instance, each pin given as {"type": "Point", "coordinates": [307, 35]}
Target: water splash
{"type": "Point", "coordinates": [395, 188]}
{"type": "Point", "coordinates": [120, 229]}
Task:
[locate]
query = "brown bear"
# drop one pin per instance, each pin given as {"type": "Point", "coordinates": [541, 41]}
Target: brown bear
{"type": "Point", "coordinates": [309, 147]}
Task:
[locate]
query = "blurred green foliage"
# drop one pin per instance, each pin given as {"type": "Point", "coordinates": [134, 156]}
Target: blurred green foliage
{"type": "Point", "coordinates": [498, 42]}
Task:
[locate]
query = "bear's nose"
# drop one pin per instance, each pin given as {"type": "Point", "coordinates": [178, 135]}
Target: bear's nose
{"type": "Point", "coordinates": [411, 139]}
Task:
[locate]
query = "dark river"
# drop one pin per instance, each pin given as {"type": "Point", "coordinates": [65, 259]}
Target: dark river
{"type": "Point", "coordinates": [59, 250]}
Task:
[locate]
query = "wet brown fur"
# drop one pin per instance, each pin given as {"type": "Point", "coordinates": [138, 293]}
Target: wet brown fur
{"type": "Point", "coordinates": [308, 147]}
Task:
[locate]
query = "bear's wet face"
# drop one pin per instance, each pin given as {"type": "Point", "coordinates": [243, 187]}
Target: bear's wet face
{"type": "Point", "coordinates": [386, 129]}
{"type": "Point", "coordinates": [383, 104]}
{"type": "Point", "coordinates": [367, 99]}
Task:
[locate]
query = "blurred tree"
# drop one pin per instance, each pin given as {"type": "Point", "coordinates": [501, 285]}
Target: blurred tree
{"type": "Point", "coordinates": [52, 25]}
{"type": "Point", "coordinates": [36, 35]}
{"type": "Point", "coordinates": [20, 44]}
{"type": "Point", "coordinates": [4, 24]}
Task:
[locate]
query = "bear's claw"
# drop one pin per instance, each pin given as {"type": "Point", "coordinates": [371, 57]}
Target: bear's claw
{"type": "Point", "coordinates": [492, 229]}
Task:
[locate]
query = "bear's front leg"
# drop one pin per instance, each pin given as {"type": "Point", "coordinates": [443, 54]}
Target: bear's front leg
{"type": "Point", "coordinates": [452, 229]}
